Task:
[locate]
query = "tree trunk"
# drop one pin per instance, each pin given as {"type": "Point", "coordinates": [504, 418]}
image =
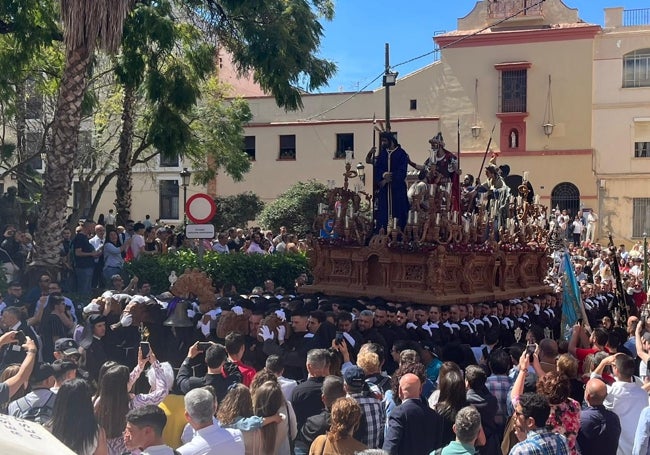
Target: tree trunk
{"type": "Point", "coordinates": [60, 162]}
{"type": "Point", "coordinates": [124, 183]}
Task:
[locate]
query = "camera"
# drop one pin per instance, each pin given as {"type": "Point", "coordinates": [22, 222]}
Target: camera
{"type": "Point", "coordinates": [339, 338]}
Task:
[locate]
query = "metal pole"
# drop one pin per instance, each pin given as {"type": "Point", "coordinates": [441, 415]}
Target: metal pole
{"type": "Point", "coordinates": [387, 91]}
{"type": "Point", "coordinates": [184, 207]}
{"type": "Point", "coordinates": [645, 262]}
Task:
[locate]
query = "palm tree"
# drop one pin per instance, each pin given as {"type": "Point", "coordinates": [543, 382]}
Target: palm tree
{"type": "Point", "coordinates": [88, 25]}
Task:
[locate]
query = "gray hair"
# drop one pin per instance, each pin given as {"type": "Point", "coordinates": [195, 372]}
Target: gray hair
{"type": "Point", "coordinates": [467, 424]}
{"type": "Point", "coordinates": [318, 358]}
{"type": "Point", "coordinates": [367, 313]}
{"type": "Point", "coordinates": [168, 374]}
{"type": "Point", "coordinates": [200, 404]}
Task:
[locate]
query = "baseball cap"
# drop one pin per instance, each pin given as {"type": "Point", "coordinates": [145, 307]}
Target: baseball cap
{"type": "Point", "coordinates": [355, 377]}
{"type": "Point", "coordinates": [41, 372]}
{"type": "Point", "coordinates": [67, 346]}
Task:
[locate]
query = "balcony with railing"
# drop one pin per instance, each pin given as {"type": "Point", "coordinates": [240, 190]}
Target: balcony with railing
{"type": "Point", "coordinates": [619, 17]}
{"type": "Point", "coordinates": [636, 17]}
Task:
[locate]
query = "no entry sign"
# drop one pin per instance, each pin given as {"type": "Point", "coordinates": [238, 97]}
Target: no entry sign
{"type": "Point", "coordinates": [200, 208]}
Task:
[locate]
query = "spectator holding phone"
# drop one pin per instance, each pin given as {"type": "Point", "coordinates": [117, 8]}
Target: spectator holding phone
{"type": "Point", "coordinates": [13, 319]}
{"type": "Point", "coordinates": [114, 401]}
{"type": "Point", "coordinates": [9, 387]}
{"type": "Point", "coordinates": [221, 374]}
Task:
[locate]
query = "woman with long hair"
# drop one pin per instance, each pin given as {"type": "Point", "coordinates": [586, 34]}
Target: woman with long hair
{"type": "Point", "coordinates": [236, 412]}
{"type": "Point", "coordinates": [8, 372]}
{"type": "Point", "coordinates": [346, 414]}
{"type": "Point", "coordinates": [151, 243]}
{"type": "Point", "coordinates": [113, 260]}
{"type": "Point", "coordinates": [453, 398]}
{"type": "Point", "coordinates": [56, 323]}
{"type": "Point", "coordinates": [444, 369]}
{"type": "Point", "coordinates": [74, 404]}
{"type": "Point", "coordinates": [113, 400]}
{"type": "Point", "coordinates": [274, 438]}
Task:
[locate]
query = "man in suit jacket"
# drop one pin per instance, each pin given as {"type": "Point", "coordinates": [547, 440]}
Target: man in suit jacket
{"type": "Point", "coordinates": [13, 319]}
{"type": "Point", "coordinates": [411, 425]}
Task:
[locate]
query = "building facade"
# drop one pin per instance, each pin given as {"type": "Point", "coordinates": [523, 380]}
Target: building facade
{"type": "Point", "coordinates": [621, 123]}
{"type": "Point", "coordinates": [546, 83]}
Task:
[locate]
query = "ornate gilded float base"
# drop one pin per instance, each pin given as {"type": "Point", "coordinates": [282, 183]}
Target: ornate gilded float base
{"type": "Point", "coordinates": [435, 276]}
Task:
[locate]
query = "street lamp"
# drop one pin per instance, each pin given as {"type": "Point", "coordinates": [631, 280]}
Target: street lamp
{"type": "Point", "coordinates": [361, 172]}
{"type": "Point", "coordinates": [185, 182]}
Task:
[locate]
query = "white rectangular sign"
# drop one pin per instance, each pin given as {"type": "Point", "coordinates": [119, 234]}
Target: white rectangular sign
{"type": "Point", "coordinates": [199, 231]}
{"type": "Point", "coordinates": [21, 437]}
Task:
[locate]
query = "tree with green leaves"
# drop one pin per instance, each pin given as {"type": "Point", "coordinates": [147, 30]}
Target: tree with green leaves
{"type": "Point", "coordinates": [296, 208]}
{"type": "Point", "coordinates": [277, 40]}
{"type": "Point", "coordinates": [236, 210]}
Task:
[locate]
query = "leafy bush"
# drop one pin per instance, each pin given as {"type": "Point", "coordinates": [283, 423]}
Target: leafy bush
{"type": "Point", "coordinates": [296, 208]}
{"type": "Point", "coordinates": [236, 210]}
{"type": "Point", "coordinates": [243, 270]}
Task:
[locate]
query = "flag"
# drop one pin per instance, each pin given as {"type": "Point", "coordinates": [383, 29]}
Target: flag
{"type": "Point", "coordinates": [572, 308]}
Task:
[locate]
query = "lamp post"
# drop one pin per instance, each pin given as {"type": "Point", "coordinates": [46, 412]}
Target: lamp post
{"type": "Point", "coordinates": [185, 182]}
{"type": "Point", "coordinates": [389, 80]}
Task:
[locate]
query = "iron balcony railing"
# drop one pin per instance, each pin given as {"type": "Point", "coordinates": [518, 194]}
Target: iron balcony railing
{"type": "Point", "coordinates": [636, 17]}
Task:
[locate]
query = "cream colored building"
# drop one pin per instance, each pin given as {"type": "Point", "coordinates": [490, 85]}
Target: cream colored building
{"type": "Point", "coordinates": [544, 66]}
{"type": "Point", "coordinates": [504, 76]}
{"type": "Point", "coordinates": [621, 123]}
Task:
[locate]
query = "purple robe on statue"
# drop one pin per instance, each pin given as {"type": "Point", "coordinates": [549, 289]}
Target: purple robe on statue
{"type": "Point", "coordinates": [399, 160]}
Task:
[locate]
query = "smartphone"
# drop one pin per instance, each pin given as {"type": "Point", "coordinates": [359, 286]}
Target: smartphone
{"type": "Point", "coordinates": [580, 321]}
{"type": "Point", "coordinates": [146, 349]}
{"type": "Point", "coordinates": [530, 349]}
{"type": "Point", "coordinates": [204, 345]}
{"type": "Point", "coordinates": [339, 338]}
{"type": "Point", "coordinates": [20, 337]}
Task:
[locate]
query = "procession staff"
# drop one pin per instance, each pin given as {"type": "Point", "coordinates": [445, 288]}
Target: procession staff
{"type": "Point", "coordinates": [487, 150]}
{"type": "Point", "coordinates": [620, 291]}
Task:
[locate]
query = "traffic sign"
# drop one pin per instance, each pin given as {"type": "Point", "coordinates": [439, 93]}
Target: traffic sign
{"type": "Point", "coordinates": [199, 231]}
{"type": "Point", "coordinates": [200, 208]}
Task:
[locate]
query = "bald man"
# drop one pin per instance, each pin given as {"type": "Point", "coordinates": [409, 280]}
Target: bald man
{"type": "Point", "coordinates": [600, 428]}
{"type": "Point", "coordinates": [412, 426]}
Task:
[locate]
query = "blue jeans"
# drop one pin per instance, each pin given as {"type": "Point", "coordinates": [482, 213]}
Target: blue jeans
{"type": "Point", "coordinates": [108, 274]}
{"type": "Point", "coordinates": [84, 279]}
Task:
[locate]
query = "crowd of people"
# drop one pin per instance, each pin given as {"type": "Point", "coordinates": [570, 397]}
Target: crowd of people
{"type": "Point", "coordinates": [314, 374]}
{"type": "Point", "coordinates": [346, 376]}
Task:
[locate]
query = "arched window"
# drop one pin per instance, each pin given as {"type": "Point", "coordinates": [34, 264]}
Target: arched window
{"type": "Point", "coordinates": [566, 196]}
{"type": "Point", "coordinates": [636, 68]}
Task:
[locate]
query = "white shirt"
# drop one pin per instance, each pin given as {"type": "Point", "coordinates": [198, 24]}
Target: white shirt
{"type": "Point", "coordinates": [158, 450]}
{"type": "Point", "coordinates": [626, 400]}
{"type": "Point", "coordinates": [214, 440]}
{"type": "Point", "coordinates": [287, 385]}
{"type": "Point", "coordinates": [219, 248]}
{"type": "Point", "coordinates": [137, 244]}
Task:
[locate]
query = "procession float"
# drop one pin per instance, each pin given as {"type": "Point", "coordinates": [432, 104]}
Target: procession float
{"type": "Point", "coordinates": [459, 242]}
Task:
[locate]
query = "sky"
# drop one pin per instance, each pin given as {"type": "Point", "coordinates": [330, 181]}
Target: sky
{"type": "Point", "coordinates": [355, 39]}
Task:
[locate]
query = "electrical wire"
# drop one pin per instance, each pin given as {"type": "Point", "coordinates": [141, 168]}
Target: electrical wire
{"type": "Point", "coordinates": [453, 43]}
